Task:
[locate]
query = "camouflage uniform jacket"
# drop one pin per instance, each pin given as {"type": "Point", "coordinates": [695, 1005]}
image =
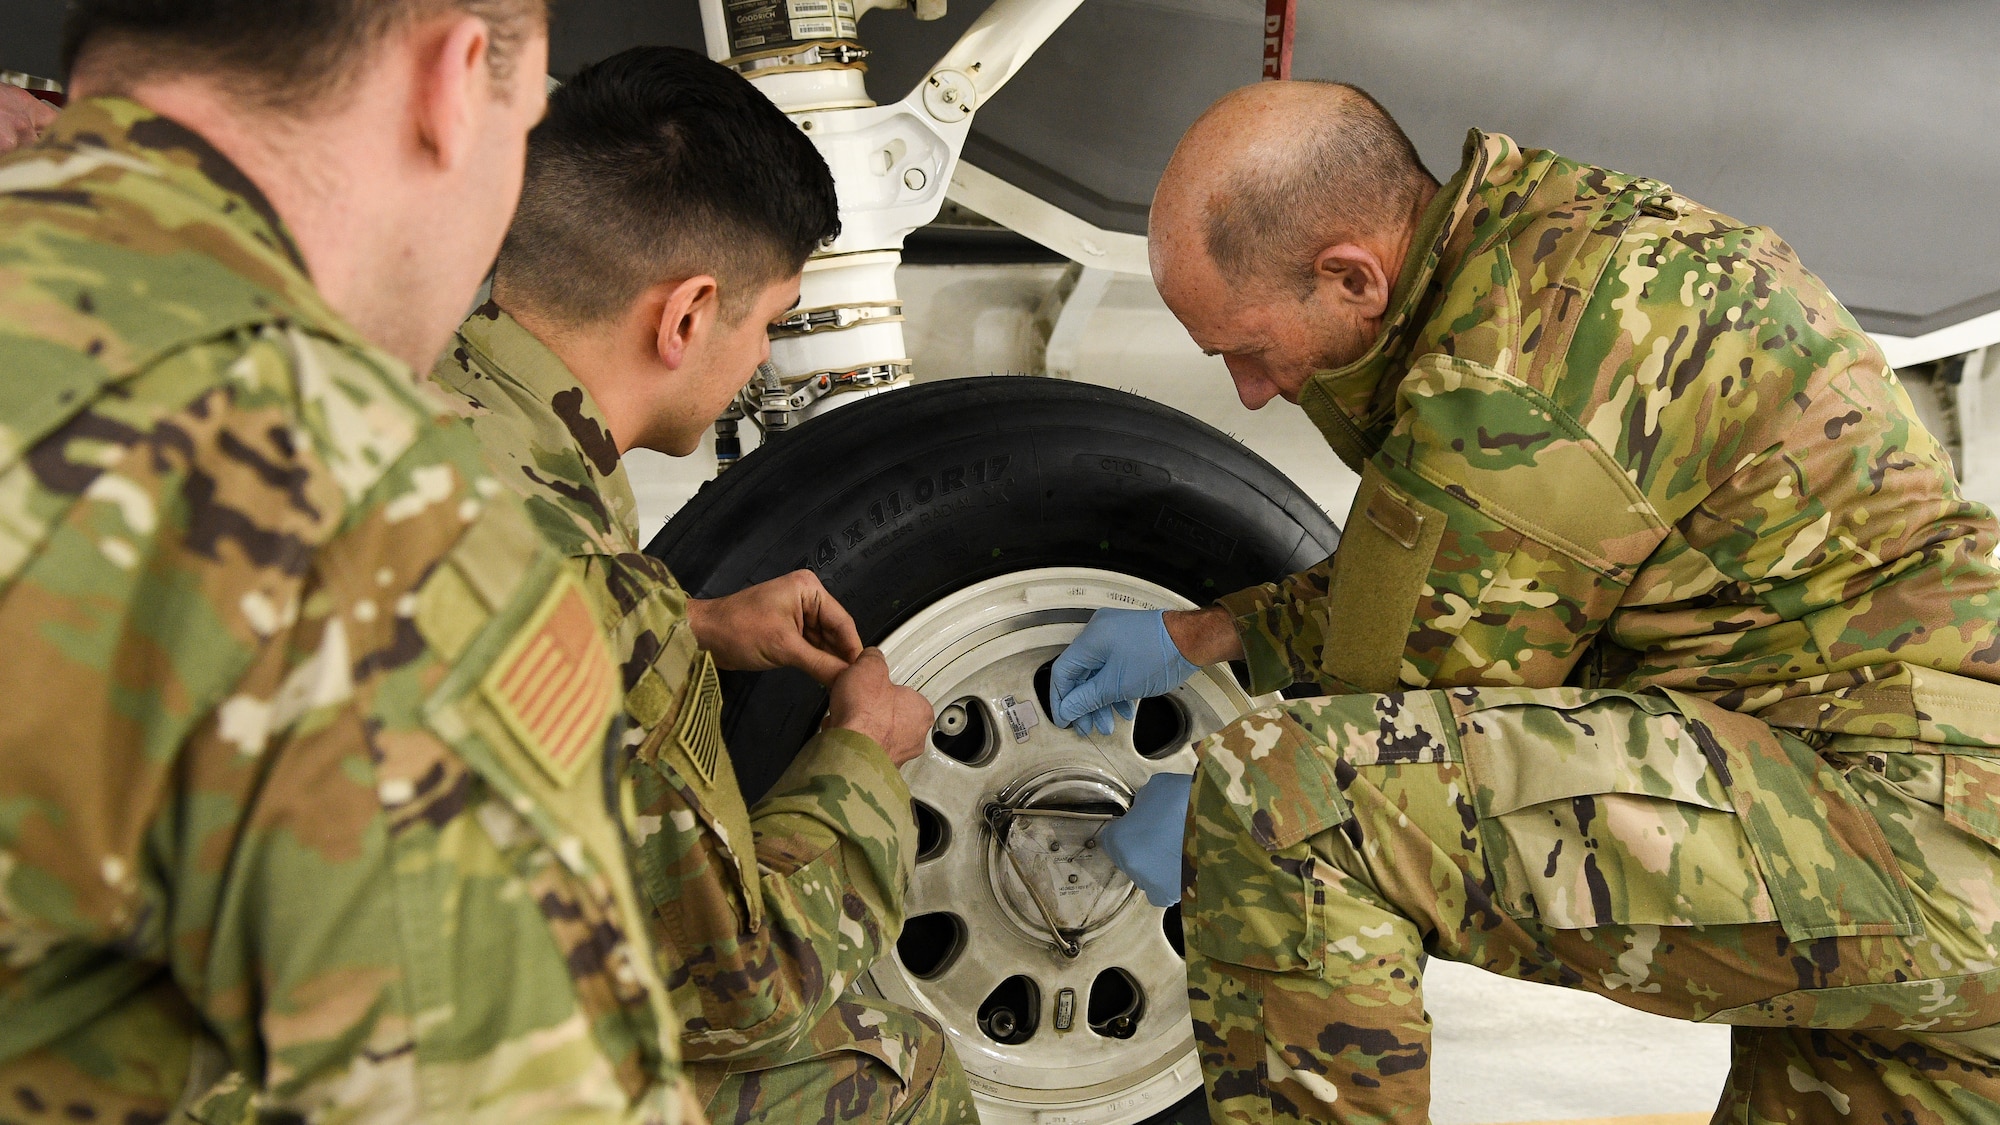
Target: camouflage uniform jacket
{"type": "Point", "coordinates": [277, 801]}
{"type": "Point", "coordinates": [763, 917]}
{"type": "Point", "coordinates": [1611, 438]}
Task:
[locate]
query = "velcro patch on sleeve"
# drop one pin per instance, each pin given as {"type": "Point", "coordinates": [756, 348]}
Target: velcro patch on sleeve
{"type": "Point", "coordinates": [555, 684]}
{"type": "Point", "coordinates": [698, 729]}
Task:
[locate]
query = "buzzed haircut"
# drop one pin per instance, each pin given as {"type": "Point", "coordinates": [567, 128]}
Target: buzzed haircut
{"type": "Point", "coordinates": [658, 164]}
{"type": "Point", "coordinates": [284, 55]}
{"type": "Point", "coordinates": [1351, 172]}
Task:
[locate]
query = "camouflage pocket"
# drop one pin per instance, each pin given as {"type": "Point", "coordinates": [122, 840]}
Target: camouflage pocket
{"type": "Point", "coordinates": [1826, 861]}
{"type": "Point", "coordinates": [1265, 787]}
{"type": "Point", "coordinates": [1972, 796]}
{"type": "Point", "coordinates": [1248, 906]}
{"type": "Point", "coordinates": [1601, 808]}
{"type": "Point", "coordinates": [1276, 770]}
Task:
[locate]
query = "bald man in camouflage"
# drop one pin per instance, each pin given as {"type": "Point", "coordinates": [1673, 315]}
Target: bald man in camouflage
{"type": "Point", "coordinates": [1658, 659]}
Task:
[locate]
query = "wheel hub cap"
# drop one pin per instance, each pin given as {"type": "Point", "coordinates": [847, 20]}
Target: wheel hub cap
{"type": "Point", "coordinates": [1044, 861]}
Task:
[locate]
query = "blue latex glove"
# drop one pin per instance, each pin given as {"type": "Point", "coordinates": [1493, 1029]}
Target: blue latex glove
{"type": "Point", "coordinates": [1145, 843]}
{"type": "Point", "coordinates": [1121, 657]}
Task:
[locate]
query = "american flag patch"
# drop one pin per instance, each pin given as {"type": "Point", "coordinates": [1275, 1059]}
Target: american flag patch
{"type": "Point", "coordinates": [555, 685]}
{"type": "Point", "coordinates": [699, 728]}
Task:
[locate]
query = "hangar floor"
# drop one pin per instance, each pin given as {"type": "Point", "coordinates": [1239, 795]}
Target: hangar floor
{"type": "Point", "coordinates": [1510, 1051]}
{"type": "Point", "coordinates": [1505, 1051]}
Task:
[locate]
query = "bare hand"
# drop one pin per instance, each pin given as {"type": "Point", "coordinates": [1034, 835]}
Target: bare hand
{"type": "Point", "coordinates": [23, 116]}
{"type": "Point", "coordinates": [867, 702]}
{"type": "Point", "coordinates": [789, 622]}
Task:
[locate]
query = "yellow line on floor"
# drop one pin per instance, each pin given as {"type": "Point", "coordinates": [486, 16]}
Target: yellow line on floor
{"type": "Point", "coordinates": [1643, 1119]}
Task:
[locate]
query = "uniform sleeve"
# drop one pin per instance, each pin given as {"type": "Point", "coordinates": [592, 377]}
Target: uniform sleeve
{"type": "Point", "coordinates": [835, 847]}
{"type": "Point", "coordinates": [833, 859]}
{"type": "Point", "coordinates": [764, 916]}
{"type": "Point", "coordinates": [252, 832]}
{"type": "Point", "coordinates": [756, 957]}
{"type": "Point", "coordinates": [1281, 634]}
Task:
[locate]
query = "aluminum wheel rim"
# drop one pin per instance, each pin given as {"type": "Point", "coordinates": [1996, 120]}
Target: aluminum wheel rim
{"type": "Point", "coordinates": [985, 642]}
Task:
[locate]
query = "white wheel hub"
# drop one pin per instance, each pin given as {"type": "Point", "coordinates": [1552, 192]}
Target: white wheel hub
{"type": "Point", "coordinates": [1058, 982]}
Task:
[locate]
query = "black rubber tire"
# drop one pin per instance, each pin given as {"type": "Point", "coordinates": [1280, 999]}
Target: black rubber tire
{"type": "Point", "coordinates": [902, 498]}
{"type": "Point", "coordinates": [908, 496]}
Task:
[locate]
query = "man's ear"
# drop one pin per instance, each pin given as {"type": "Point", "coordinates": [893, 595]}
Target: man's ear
{"type": "Point", "coordinates": [689, 313]}
{"type": "Point", "coordinates": [1356, 278]}
{"type": "Point", "coordinates": [451, 76]}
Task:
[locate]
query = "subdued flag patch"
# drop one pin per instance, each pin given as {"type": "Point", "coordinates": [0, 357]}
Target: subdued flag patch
{"type": "Point", "coordinates": [699, 728]}
{"type": "Point", "coordinates": [555, 685]}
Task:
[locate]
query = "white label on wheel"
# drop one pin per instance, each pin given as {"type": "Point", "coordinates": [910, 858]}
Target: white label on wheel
{"type": "Point", "coordinates": [1021, 716]}
{"type": "Point", "coordinates": [805, 9]}
{"type": "Point", "coordinates": [814, 29]}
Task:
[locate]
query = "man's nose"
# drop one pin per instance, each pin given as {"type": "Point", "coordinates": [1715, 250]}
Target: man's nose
{"type": "Point", "coordinates": [1252, 389]}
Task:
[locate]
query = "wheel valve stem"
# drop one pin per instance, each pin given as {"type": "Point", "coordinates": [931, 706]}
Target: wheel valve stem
{"type": "Point", "coordinates": [952, 720]}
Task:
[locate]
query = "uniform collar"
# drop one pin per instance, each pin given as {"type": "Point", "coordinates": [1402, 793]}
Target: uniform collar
{"type": "Point", "coordinates": [123, 132]}
{"type": "Point", "coordinates": [508, 353]}
{"type": "Point", "coordinates": [1352, 405]}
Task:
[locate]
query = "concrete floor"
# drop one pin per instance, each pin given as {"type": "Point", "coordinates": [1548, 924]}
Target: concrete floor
{"type": "Point", "coordinates": [1505, 1051]}
{"type": "Point", "coordinates": [1510, 1051]}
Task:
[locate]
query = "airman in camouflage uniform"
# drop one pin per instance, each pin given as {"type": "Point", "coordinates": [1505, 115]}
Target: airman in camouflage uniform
{"type": "Point", "coordinates": [1662, 660]}
{"type": "Point", "coordinates": [303, 808]}
{"type": "Point", "coordinates": [764, 917]}
{"type": "Point", "coordinates": [666, 216]}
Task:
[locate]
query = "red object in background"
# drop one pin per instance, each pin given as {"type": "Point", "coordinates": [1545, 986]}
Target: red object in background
{"type": "Point", "coordinates": [1279, 16]}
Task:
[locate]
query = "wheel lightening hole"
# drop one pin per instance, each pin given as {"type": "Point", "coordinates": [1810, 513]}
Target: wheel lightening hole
{"type": "Point", "coordinates": [972, 744]}
{"type": "Point", "coordinates": [1115, 1004]}
{"type": "Point", "coordinates": [1042, 677]}
{"type": "Point", "coordinates": [929, 944]}
{"type": "Point", "coordinates": [933, 833]}
{"type": "Point", "coordinates": [1160, 727]}
{"type": "Point", "coordinates": [1012, 1012]}
{"type": "Point", "coordinates": [1170, 921]}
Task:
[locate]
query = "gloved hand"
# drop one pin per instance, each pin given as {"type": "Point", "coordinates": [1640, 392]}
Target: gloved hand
{"type": "Point", "coordinates": [1145, 843]}
{"type": "Point", "coordinates": [1121, 657]}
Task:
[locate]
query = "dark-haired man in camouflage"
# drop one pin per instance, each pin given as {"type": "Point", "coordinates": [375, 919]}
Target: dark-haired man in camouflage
{"type": "Point", "coordinates": [668, 211]}
{"type": "Point", "coordinates": [1661, 647]}
{"type": "Point", "coordinates": [303, 805]}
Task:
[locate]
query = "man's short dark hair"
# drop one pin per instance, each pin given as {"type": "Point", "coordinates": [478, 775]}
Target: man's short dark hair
{"type": "Point", "coordinates": [1351, 172]}
{"type": "Point", "coordinates": [285, 55]}
{"type": "Point", "coordinates": [658, 164]}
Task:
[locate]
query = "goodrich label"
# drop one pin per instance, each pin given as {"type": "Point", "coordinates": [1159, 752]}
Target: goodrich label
{"type": "Point", "coordinates": [764, 25]}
